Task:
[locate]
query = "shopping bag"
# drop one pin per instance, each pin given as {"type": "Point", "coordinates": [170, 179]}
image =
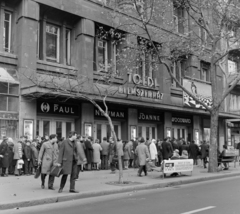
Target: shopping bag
{"type": "Point", "coordinates": [38, 172]}
{"type": "Point", "coordinates": [56, 171]}
{"type": "Point", "coordinates": [149, 166]}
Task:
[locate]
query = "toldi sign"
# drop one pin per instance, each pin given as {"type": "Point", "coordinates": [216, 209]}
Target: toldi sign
{"type": "Point", "coordinates": [57, 108]}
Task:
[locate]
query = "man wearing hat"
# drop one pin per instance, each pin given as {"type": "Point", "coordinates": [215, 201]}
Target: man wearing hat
{"type": "Point", "coordinates": [143, 154]}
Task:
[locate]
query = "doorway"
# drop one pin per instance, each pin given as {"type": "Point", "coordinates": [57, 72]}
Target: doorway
{"type": "Point", "coordinates": [147, 131]}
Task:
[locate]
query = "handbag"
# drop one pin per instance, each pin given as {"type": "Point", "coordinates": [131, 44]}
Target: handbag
{"type": "Point", "coordinates": [38, 172]}
{"type": "Point", "coordinates": [56, 171]}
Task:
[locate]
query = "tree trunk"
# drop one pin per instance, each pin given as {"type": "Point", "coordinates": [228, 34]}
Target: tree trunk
{"type": "Point", "coordinates": [120, 178]}
{"type": "Point", "coordinates": [213, 158]}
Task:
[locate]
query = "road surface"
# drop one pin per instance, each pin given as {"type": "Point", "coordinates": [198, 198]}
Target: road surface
{"type": "Point", "coordinates": [214, 197]}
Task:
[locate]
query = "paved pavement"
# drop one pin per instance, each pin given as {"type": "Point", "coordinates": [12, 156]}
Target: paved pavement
{"type": "Point", "coordinates": [25, 191]}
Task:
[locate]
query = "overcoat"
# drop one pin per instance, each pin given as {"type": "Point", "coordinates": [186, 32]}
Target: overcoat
{"type": "Point", "coordinates": [4, 162]}
{"type": "Point", "coordinates": [34, 156]}
{"type": "Point", "coordinates": [48, 156]}
{"type": "Point", "coordinates": [67, 154]}
{"type": "Point", "coordinates": [89, 151]}
{"type": "Point", "coordinates": [105, 148]}
{"type": "Point", "coordinates": [167, 150]}
{"type": "Point", "coordinates": [80, 153]}
{"type": "Point", "coordinates": [18, 150]}
{"type": "Point", "coordinates": [204, 150]}
{"type": "Point", "coordinates": [193, 151]}
{"type": "Point", "coordinates": [142, 153]}
{"type": "Point", "coordinates": [153, 151]}
{"type": "Point", "coordinates": [127, 151]}
{"type": "Point", "coordinates": [96, 153]}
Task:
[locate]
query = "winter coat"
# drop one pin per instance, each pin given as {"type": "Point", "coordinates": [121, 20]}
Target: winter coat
{"type": "Point", "coordinates": [119, 147]}
{"type": "Point", "coordinates": [193, 151]}
{"type": "Point", "coordinates": [96, 152]}
{"type": "Point", "coordinates": [80, 153]}
{"type": "Point", "coordinates": [10, 153]}
{"type": "Point", "coordinates": [48, 156]}
{"type": "Point", "coordinates": [89, 151]}
{"type": "Point", "coordinates": [127, 151]}
{"type": "Point", "coordinates": [132, 150]}
{"type": "Point", "coordinates": [105, 148]}
{"type": "Point", "coordinates": [18, 151]}
{"type": "Point", "coordinates": [67, 155]}
{"type": "Point", "coordinates": [142, 153]}
{"type": "Point", "coordinates": [204, 150]}
{"type": "Point", "coordinates": [34, 156]}
{"type": "Point", "coordinates": [4, 161]}
{"type": "Point", "coordinates": [153, 151]}
{"type": "Point", "coordinates": [167, 150]}
{"type": "Point", "coordinates": [27, 152]}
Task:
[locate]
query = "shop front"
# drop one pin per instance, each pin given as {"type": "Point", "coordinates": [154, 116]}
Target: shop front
{"type": "Point", "coordinates": [149, 124]}
{"type": "Point", "coordinates": [102, 128]}
{"type": "Point", "coordinates": [56, 118]}
{"type": "Point", "coordinates": [9, 104]}
{"type": "Point", "coordinates": [182, 127]}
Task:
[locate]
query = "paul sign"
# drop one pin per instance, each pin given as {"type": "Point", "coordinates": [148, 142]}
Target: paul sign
{"type": "Point", "coordinates": [57, 108]}
{"type": "Point", "coordinates": [145, 87]}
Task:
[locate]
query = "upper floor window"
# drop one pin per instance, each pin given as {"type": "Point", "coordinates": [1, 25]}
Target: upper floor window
{"type": "Point", "coordinates": [9, 91]}
{"type": "Point", "coordinates": [234, 102]}
{"type": "Point", "coordinates": [52, 43]}
{"type": "Point", "coordinates": [178, 71]}
{"type": "Point", "coordinates": [178, 18]}
{"type": "Point", "coordinates": [68, 47]}
{"type": "Point", "coordinates": [205, 72]}
{"type": "Point", "coordinates": [106, 51]}
{"type": "Point", "coordinates": [232, 67]}
{"type": "Point", "coordinates": [7, 31]}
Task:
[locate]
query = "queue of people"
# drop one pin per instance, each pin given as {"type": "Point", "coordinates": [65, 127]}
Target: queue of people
{"type": "Point", "coordinates": [79, 153]}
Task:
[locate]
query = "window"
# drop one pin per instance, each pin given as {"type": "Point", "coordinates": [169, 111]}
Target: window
{"type": "Point", "coordinates": [9, 96]}
{"type": "Point", "coordinates": [232, 67]}
{"type": "Point", "coordinates": [52, 42]}
{"type": "Point", "coordinates": [205, 72]}
{"type": "Point", "coordinates": [68, 48]}
{"type": "Point", "coordinates": [178, 70]}
{"type": "Point", "coordinates": [106, 50]}
{"type": "Point", "coordinates": [146, 64]}
{"type": "Point", "coordinates": [7, 31]}
{"type": "Point", "coordinates": [234, 102]}
{"type": "Point", "coordinates": [102, 47]}
{"type": "Point", "coordinates": [178, 18]}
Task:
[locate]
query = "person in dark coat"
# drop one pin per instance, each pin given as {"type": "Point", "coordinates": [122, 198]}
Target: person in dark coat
{"type": "Point", "coordinates": [204, 152]}
{"type": "Point", "coordinates": [174, 144]}
{"type": "Point", "coordinates": [10, 156]}
{"type": "Point", "coordinates": [167, 149]}
{"type": "Point", "coordinates": [27, 158]}
{"type": "Point", "coordinates": [4, 162]}
{"type": "Point", "coordinates": [185, 147]}
{"type": "Point", "coordinates": [89, 152]}
{"type": "Point", "coordinates": [68, 159]}
{"type": "Point", "coordinates": [193, 152]}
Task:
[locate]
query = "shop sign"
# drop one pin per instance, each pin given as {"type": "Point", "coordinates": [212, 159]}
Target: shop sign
{"type": "Point", "coordinates": [143, 87]}
{"type": "Point", "coordinates": [9, 116]}
{"type": "Point", "coordinates": [149, 117]}
{"type": "Point", "coordinates": [57, 108]}
{"type": "Point", "coordinates": [181, 120]}
{"type": "Point", "coordinates": [119, 114]}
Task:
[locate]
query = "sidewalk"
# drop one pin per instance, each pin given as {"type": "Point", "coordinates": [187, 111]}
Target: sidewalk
{"type": "Point", "coordinates": [25, 191]}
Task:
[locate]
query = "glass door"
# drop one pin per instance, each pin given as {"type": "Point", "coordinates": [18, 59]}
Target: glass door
{"type": "Point", "coordinates": [148, 132]}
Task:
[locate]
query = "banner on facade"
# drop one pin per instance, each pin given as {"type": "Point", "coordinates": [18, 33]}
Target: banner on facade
{"type": "Point", "coordinates": [170, 166]}
{"type": "Point", "coordinates": [202, 91]}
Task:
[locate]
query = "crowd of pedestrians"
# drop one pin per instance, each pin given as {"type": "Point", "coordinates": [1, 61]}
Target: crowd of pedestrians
{"type": "Point", "coordinates": [80, 153]}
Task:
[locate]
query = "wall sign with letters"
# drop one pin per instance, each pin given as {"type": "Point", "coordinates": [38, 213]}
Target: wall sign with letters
{"type": "Point", "coordinates": [57, 108]}
{"type": "Point", "coordinates": [149, 117]}
{"type": "Point", "coordinates": [117, 114]}
{"type": "Point", "coordinates": [181, 120]}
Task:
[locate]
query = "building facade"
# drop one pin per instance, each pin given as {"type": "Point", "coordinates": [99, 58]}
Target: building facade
{"type": "Point", "coordinates": [59, 39]}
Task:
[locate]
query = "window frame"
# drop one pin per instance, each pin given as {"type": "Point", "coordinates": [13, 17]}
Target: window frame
{"type": "Point", "coordinates": [176, 19]}
{"type": "Point", "coordinates": [9, 33]}
{"type": "Point", "coordinates": [68, 46]}
{"type": "Point", "coordinates": [58, 43]}
{"type": "Point", "coordinates": [205, 66]}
